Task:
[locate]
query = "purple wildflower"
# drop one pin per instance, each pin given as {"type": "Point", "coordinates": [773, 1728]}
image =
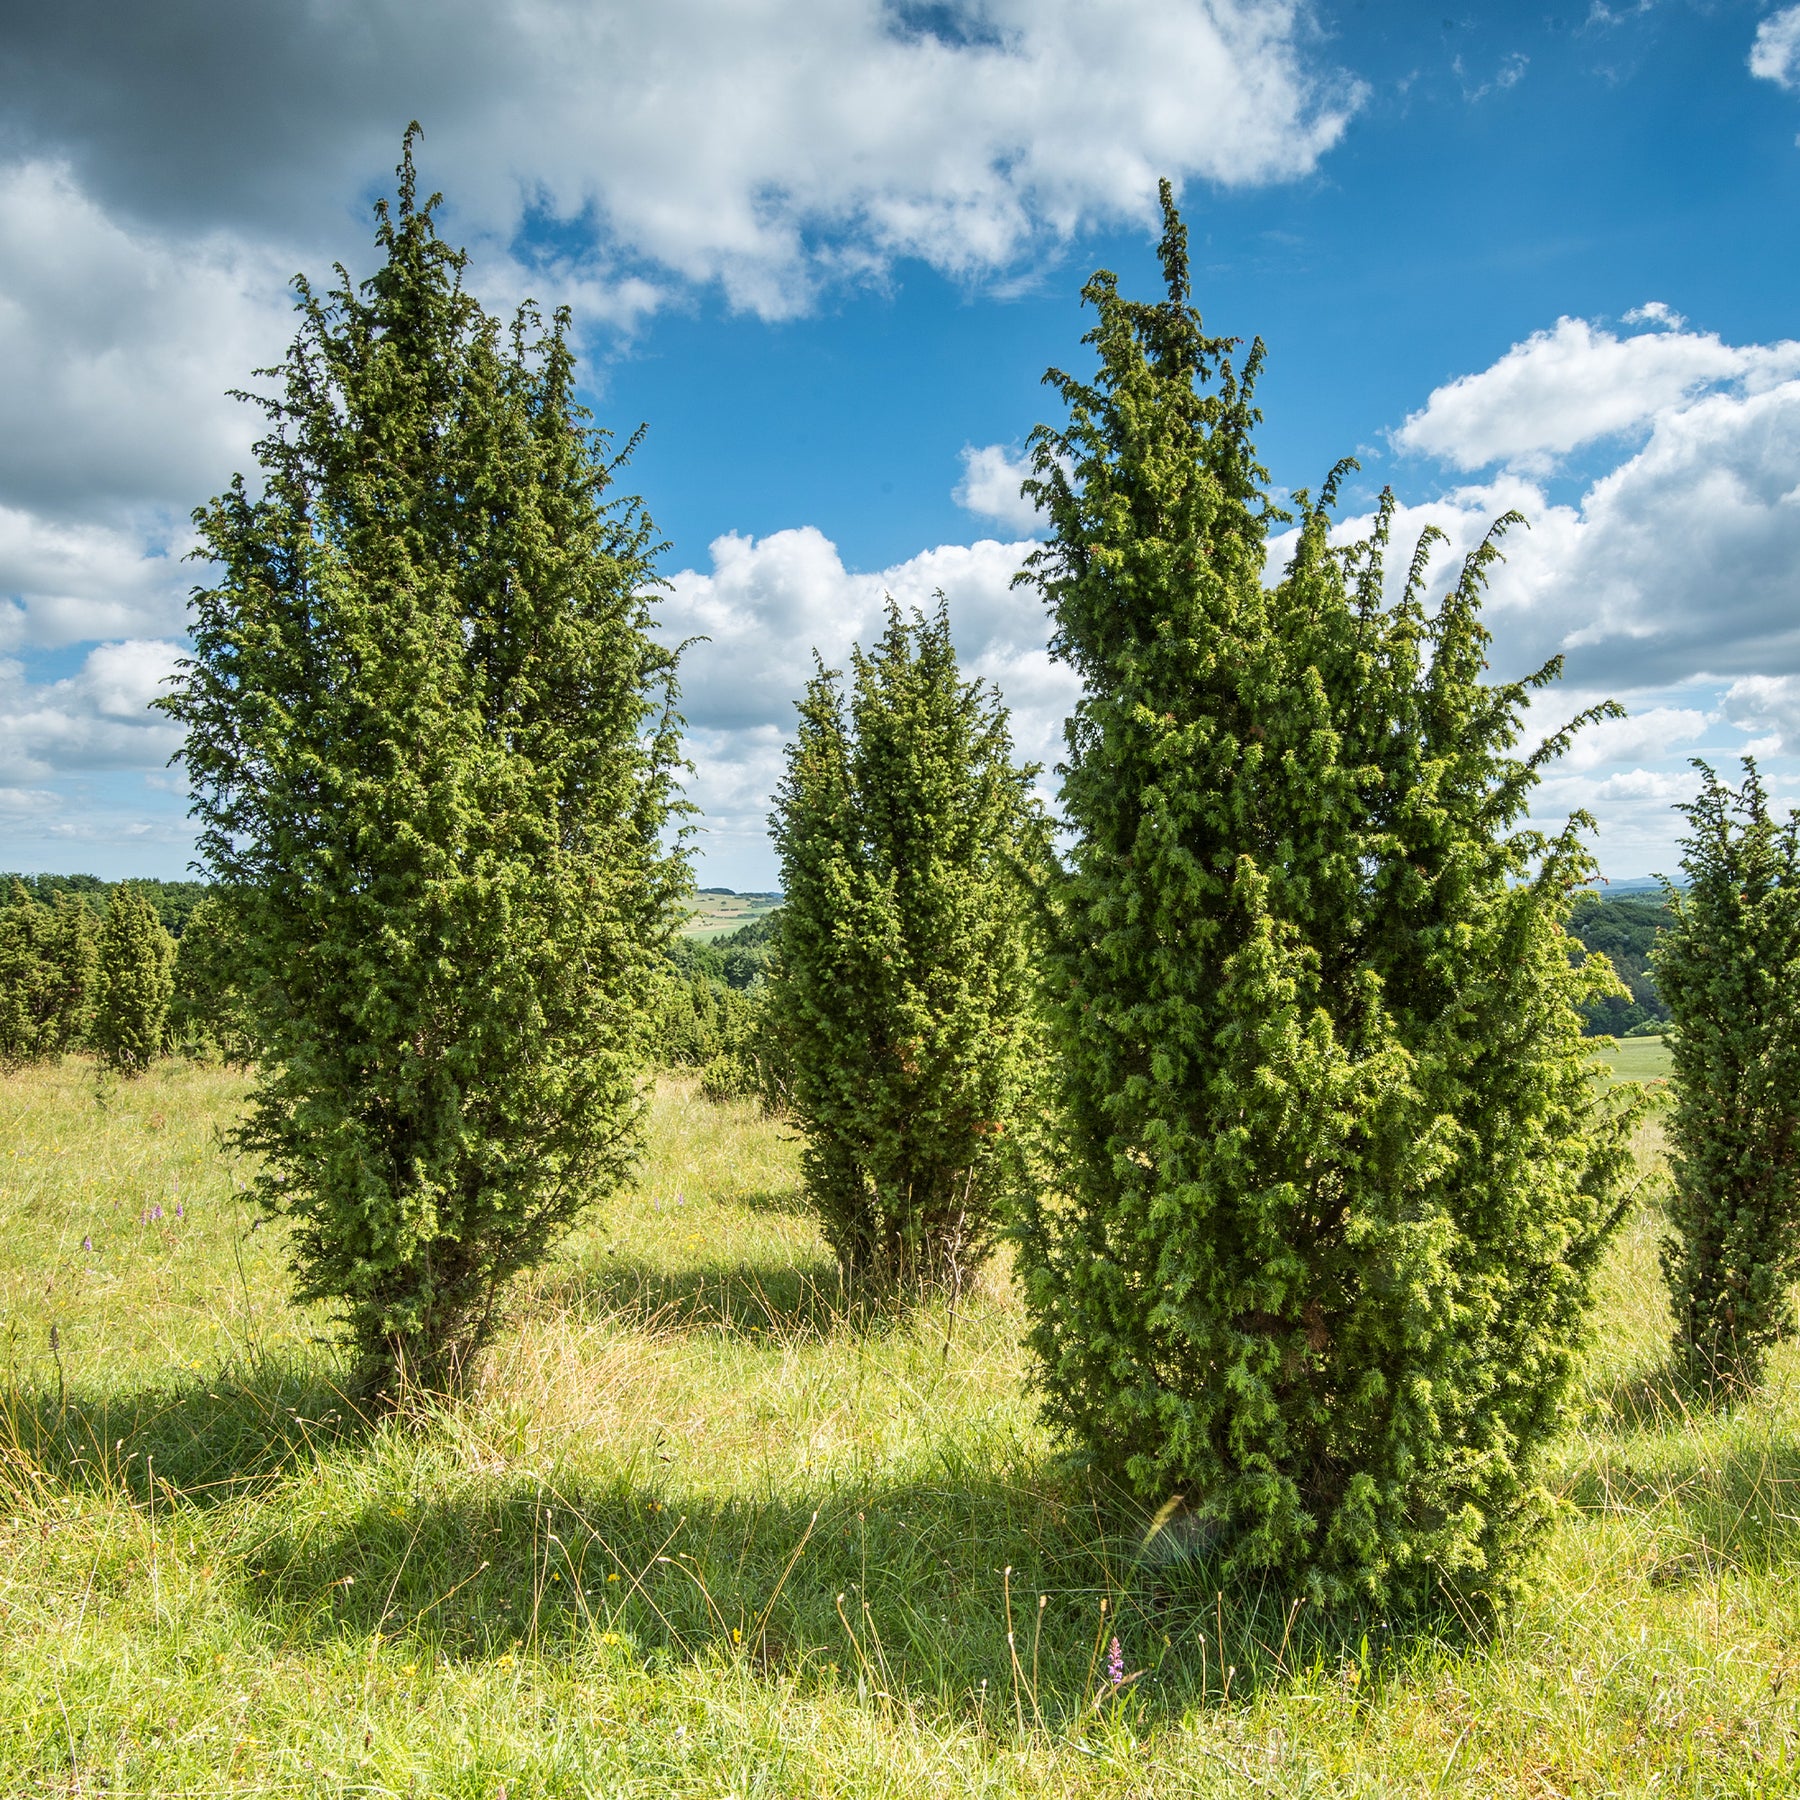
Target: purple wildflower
{"type": "Point", "coordinates": [156, 1210]}
{"type": "Point", "coordinates": [87, 1243]}
{"type": "Point", "coordinates": [1115, 1663]}
{"type": "Point", "coordinates": [178, 1213]}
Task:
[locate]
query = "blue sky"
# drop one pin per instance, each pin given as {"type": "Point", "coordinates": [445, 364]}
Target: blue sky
{"type": "Point", "coordinates": [826, 248]}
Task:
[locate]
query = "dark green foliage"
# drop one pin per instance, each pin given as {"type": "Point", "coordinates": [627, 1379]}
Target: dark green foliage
{"type": "Point", "coordinates": [903, 988]}
{"type": "Point", "coordinates": [72, 945]}
{"type": "Point", "coordinates": [1624, 927]}
{"type": "Point", "coordinates": [1334, 1172]}
{"type": "Point", "coordinates": [1730, 969]}
{"type": "Point", "coordinates": [434, 749]}
{"type": "Point", "coordinates": [692, 1019]}
{"type": "Point", "coordinates": [208, 1012]}
{"type": "Point", "coordinates": [136, 959]}
{"type": "Point", "coordinates": [735, 959]}
{"type": "Point", "coordinates": [25, 978]}
{"type": "Point", "coordinates": [48, 973]}
{"type": "Point", "coordinates": [713, 1015]}
{"type": "Point", "coordinates": [755, 1060]}
{"type": "Point", "coordinates": [171, 901]}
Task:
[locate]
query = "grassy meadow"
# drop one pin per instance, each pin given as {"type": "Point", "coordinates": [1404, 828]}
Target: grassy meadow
{"type": "Point", "coordinates": [1640, 1059]}
{"type": "Point", "coordinates": [702, 1533]}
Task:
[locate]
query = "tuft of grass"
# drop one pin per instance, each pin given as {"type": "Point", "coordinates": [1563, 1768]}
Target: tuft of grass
{"type": "Point", "coordinates": [705, 1528]}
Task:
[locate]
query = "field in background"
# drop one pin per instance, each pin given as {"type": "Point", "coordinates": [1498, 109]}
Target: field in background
{"type": "Point", "coordinates": [704, 1532]}
{"type": "Point", "coordinates": [718, 912]}
{"type": "Point", "coordinates": [1640, 1059]}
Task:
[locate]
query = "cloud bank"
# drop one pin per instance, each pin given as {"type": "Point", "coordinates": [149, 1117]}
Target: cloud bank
{"type": "Point", "coordinates": [768, 146]}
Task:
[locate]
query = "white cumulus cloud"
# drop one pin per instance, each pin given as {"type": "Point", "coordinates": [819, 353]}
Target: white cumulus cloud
{"type": "Point", "coordinates": [1577, 383]}
{"type": "Point", "coordinates": [1775, 55]}
{"type": "Point", "coordinates": [768, 146]}
{"type": "Point", "coordinates": [119, 345]}
{"type": "Point", "coordinates": [767, 604]}
{"type": "Point", "coordinates": [96, 719]}
{"type": "Point", "coordinates": [1770, 705]}
{"type": "Point", "coordinates": [990, 486]}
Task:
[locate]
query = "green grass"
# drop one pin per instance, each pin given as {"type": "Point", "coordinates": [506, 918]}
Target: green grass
{"type": "Point", "coordinates": [712, 915]}
{"type": "Point", "coordinates": [1640, 1059]}
{"type": "Point", "coordinates": [703, 1532]}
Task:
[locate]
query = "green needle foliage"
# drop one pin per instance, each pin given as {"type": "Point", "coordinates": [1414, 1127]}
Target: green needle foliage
{"type": "Point", "coordinates": [1729, 969]}
{"type": "Point", "coordinates": [434, 749]}
{"type": "Point", "coordinates": [27, 1006]}
{"type": "Point", "coordinates": [73, 955]}
{"type": "Point", "coordinates": [49, 975]}
{"type": "Point", "coordinates": [207, 1013]}
{"type": "Point", "coordinates": [1334, 1171]}
{"type": "Point", "coordinates": [903, 989]}
{"type": "Point", "coordinates": [136, 957]}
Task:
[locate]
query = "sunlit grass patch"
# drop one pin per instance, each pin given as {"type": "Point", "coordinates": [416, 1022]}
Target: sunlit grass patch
{"type": "Point", "coordinates": [708, 1528]}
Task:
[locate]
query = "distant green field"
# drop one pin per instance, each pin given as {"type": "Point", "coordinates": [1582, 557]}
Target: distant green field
{"type": "Point", "coordinates": [1640, 1059]}
{"type": "Point", "coordinates": [721, 912]}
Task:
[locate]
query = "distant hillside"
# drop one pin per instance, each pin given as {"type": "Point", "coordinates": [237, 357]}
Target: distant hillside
{"type": "Point", "coordinates": [1624, 922]}
{"type": "Point", "coordinates": [719, 909]}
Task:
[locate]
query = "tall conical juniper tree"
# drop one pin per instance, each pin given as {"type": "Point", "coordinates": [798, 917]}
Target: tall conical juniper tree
{"type": "Point", "coordinates": [434, 748]}
{"type": "Point", "coordinates": [135, 961]}
{"type": "Point", "coordinates": [1334, 1171]}
{"type": "Point", "coordinates": [1729, 967]}
{"type": "Point", "coordinates": [903, 990]}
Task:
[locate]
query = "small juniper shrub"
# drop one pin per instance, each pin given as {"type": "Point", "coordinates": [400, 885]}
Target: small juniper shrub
{"type": "Point", "coordinates": [1729, 969]}
{"type": "Point", "coordinates": [903, 987]}
{"type": "Point", "coordinates": [136, 961]}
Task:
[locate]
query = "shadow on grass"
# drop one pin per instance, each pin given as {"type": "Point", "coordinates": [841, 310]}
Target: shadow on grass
{"type": "Point", "coordinates": [787, 1202]}
{"type": "Point", "coordinates": [201, 1444]}
{"type": "Point", "coordinates": [780, 1300]}
{"type": "Point", "coordinates": [901, 1593]}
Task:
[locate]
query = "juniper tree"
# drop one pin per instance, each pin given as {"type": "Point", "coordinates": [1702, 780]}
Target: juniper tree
{"type": "Point", "coordinates": [136, 958]}
{"type": "Point", "coordinates": [49, 975]}
{"type": "Point", "coordinates": [1729, 968]}
{"type": "Point", "coordinates": [27, 979]}
{"type": "Point", "coordinates": [72, 952]}
{"type": "Point", "coordinates": [433, 748]}
{"type": "Point", "coordinates": [902, 991]}
{"type": "Point", "coordinates": [208, 1015]}
{"type": "Point", "coordinates": [1334, 1171]}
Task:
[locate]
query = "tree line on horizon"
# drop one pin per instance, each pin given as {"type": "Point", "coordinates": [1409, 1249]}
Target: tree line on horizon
{"type": "Point", "coordinates": [1274, 1077]}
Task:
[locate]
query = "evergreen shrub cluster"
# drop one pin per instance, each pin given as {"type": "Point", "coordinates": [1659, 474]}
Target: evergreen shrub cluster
{"type": "Point", "coordinates": [75, 977]}
{"type": "Point", "coordinates": [713, 1016]}
{"type": "Point", "coordinates": [905, 961]}
{"type": "Point", "coordinates": [49, 975]}
{"type": "Point", "coordinates": [1275, 1072]}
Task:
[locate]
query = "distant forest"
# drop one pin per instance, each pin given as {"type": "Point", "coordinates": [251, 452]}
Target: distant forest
{"type": "Point", "coordinates": [736, 959]}
{"type": "Point", "coordinates": [173, 901]}
{"type": "Point", "coordinates": [1625, 926]}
